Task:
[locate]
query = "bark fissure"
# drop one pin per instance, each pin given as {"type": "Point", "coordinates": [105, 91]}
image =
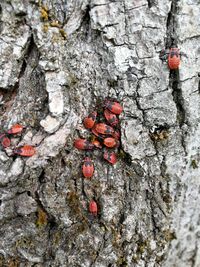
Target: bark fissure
{"type": "Point", "coordinates": [9, 94]}
{"type": "Point", "coordinates": [177, 97]}
{"type": "Point", "coordinates": [138, 103]}
{"type": "Point", "coordinates": [174, 78]}
{"type": "Point", "coordinates": [1, 22]}
{"type": "Point", "coordinates": [150, 3]}
{"type": "Point", "coordinates": [171, 25]}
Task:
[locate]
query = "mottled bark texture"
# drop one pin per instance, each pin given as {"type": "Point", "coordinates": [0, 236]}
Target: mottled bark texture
{"type": "Point", "coordinates": [59, 58]}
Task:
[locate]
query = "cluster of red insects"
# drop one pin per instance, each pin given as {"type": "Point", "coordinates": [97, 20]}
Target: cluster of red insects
{"type": "Point", "coordinates": [106, 137]}
{"type": "Point", "coordinates": [107, 134]}
{"type": "Point", "coordinates": [25, 151]}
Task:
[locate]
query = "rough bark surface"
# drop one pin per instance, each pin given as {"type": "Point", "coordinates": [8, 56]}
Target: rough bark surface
{"type": "Point", "coordinates": [58, 60]}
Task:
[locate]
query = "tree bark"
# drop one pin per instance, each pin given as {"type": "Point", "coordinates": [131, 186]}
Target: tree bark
{"type": "Point", "coordinates": [59, 61]}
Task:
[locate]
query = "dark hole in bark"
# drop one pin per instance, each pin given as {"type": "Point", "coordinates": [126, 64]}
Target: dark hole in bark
{"type": "Point", "coordinates": [21, 14]}
{"type": "Point", "coordinates": [67, 151]}
{"type": "Point", "coordinates": [62, 163]}
{"type": "Point", "coordinates": [122, 218]}
{"type": "Point", "coordinates": [150, 3]}
{"type": "Point", "coordinates": [52, 223]}
{"type": "Point", "coordinates": [86, 21]}
{"type": "Point", "coordinates": [41, 178]}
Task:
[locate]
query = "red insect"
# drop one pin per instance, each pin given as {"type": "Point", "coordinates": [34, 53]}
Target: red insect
{"type": "Point", "coordinates": [97, 134]}
{"type": "Point", "coordinates": [88, 168]}
{"type": "Point", "coordinates": [83, 144]}
{"type": "Point", "coordinates": [110, 156]}
{"type": "Point", "coordinates": [113, 106]}
{"type": "Point", "coordinates": [93, 209]}
{"type": "Point", "coordinates": [5, 142]}
{"type": "Point", "coordinates": [15, 129]}
{"type": "Point", "coordinates": [110, 142]}
{"type": "Point", "coordinates": [25, 151]}
{"type": "Point", "coordinates": [103, 128]}
{"type": "Point", "coordinates": [174, 58]}
{"type": "Point", "coordinates": [90, 120]}
{"type": "Point", "coordinates": [97, 144]}
{"type": "Point", "coordinates": [111, 117]}
{"type": "Point", "coordinates": [116, 134]}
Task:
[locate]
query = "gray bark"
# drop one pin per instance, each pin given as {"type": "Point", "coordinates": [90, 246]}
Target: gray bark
{"type": "Point", "coordinates": [58, 60]}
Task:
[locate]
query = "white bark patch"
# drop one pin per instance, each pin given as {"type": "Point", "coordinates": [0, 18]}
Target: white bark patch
{"type": "Point", "coordinates": [123, 57]}
{"type": "Point", "coordinates": [25, 204]}
{"type": "Point", "coordinates": [136, 140]}
{"type": "Point", "coordinates": [55, 81]}
{"type": "Point", "coordinates": [16, 168]}
{"type": "Point", "coordinates": [12, 47]}
{"type": "Point", "coordinates": [50, 124]}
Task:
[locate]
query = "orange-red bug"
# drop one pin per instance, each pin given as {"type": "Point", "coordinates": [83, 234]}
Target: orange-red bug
{"type": "Point", "coordinates": [25, 151]}
{"type": "Point", "coordinates": [93, 209]}
{"type": "Point", "coordinates": [103, 128]}
{"type": "Point", "coordinates": [5, 142]}
{"type": "Point", "coordinates": [174, 58]}
{"type": "Point", "coordinates": [83, 144]}
{"type": "Point", "coordinates": [97, 144]}
{"type": "Point", "coordinates": [97, 134]}
{"type": "Point", "coordinates": [110, 142]}
{"type": "Point", "coordinates": [113, 106]}
{"type": "Point", "coordinates": [88, 168]}
{"type": "Point", "coordinates": [111, 117]}
{"type": "Point", "coordinates": [15, 129]}
{"type": "Point", "coordinates": [89, 121]}
{"type": "Point", "coordinates": [110, 156]}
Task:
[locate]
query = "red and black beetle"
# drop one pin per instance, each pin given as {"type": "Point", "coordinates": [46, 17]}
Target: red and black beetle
{"type": "Point", "coordinates": [15, 129]}
{"type": "Point", "coordinates": [97, 144]}
{"type": "Point", "coordinates": [88, 168]}
{"type": "Point", "coordinates": [173, 57]}
{"type": "Point", "coordinates": [103, 128]}
{"type": "Point", "coordinates": [5, 141]}
{"type": "Point", "coordinates": [97, 134]}
{"type": "Point", "coordinates": [110, 156]}
{"type": "Point", "coordinates": [83, 144]}
{"type": "Point", "coordinates": [110, 142]}
{"type": "Point", "coordinates": [113, 106]}
{"type": "Point", "coordinates": [93, 209]}
{"type": "Point", "coordinates": [111, 117]}
{"type": "Point", "coordinates": [90, 120]}
{"type": "Point", "coordinates": [25, 151]}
